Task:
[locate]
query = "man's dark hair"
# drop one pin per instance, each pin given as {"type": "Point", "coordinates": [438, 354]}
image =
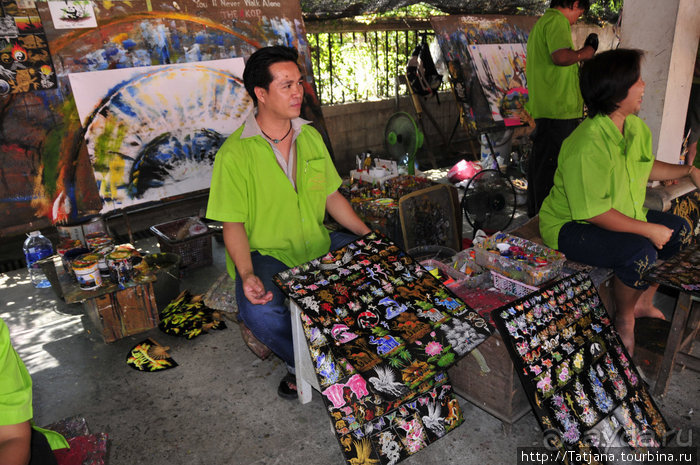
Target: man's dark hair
{"type": "Point", "coordinates": [585, 4]}
{"type": "Point", "coordinates": [606, 78]}
{"type": "Point", "coordinates": [257, 68]}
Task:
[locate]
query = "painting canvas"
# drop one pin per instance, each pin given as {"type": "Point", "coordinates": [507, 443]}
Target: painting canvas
{"type": "Point", "coordinates": [152, 132]}
{"type": "Point", "coordinates": [382, 331]}
{"type": "Point", "coordinates": [72, 14]}
{"type": "Point", "coordinates": [485, 57]}
{"type": "Point", "coordinates": [47, 174]}
{"type": "Point", "coordinates": [25, 63]}
{"type": "Point", "coordinates": [501, 72]}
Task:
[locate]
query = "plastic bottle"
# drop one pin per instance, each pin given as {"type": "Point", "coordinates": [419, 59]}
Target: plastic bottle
{"type": "Point", "coordinates": [35, 248]}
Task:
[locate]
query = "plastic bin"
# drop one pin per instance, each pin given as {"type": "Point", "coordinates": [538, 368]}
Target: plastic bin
{"type": "Point", "coordinates": [461, 280]}
{"type": "Point", "coordinates": [195, 250]}
{"type": "Point", "coordinates": [511, 286]}
{"type": "Point", "coordinates": [539, 264]}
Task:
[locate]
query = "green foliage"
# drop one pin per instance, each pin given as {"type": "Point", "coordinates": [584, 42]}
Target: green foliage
{"type": "Point", "coordinates": [604, 11]}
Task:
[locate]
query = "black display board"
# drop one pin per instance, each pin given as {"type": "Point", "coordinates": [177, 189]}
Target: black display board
{"type": "Point", "coordinates": [585, 391]}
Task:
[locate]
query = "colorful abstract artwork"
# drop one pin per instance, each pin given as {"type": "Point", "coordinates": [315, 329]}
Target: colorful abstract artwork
{"type": "Point", "coordinates": [485, 56]}
{"type": "Point", "coordinates": [25, 63]}
{"type": "Point", "coordinates": [48, 175]}
{"type": "Point", "coordinates": [581, 382]}
{"type": "Point", "coordinates": [382, 332]}
{"type": "Point", "coordinates": [152, 132]}
{"type": "Point", "coordinates": [501, 72]}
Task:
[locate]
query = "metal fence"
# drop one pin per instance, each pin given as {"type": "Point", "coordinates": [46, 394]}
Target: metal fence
{"type": "Point", "coordinates": [360, 66]}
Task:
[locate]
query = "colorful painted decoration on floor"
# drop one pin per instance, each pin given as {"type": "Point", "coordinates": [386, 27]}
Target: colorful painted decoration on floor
{"type": "Point", "coordinates": [576, 372]}
{"type": "Point", "coordinates": [382, 331]}
{"type": "Point", "coordinates": [148, 355]}
{"type": "Point", "coordinates": [682, 271]}
{"type": "Point", "coordinates": [188, 316]}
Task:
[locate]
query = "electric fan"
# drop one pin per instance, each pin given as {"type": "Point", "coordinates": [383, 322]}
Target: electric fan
{"type": "Point", "coordinates": [402, 137]}
{"type": "Point", "coordinates": [489, 201]}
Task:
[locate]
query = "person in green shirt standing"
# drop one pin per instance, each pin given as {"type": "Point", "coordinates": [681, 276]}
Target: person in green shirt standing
{"type": "Point", "coordinates": [272, 183]}
{"type": "Point", "coordinates": [554, 99]}
{"type": "Point", "coordinates": [595, 212]}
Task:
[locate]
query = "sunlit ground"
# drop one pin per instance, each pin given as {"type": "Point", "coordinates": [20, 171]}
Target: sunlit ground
{"type": "Point", "coordinates": [35, 318]}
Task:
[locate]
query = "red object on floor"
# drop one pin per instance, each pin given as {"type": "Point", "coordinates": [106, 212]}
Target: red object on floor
{"type": "Point", "coordinates": [466, 243]}
{"type": "Point", "coordinates": [84, 450]}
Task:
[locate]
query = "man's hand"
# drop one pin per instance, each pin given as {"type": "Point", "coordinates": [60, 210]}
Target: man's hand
{"type": "Point", "coordinates": [658, 234]}
{"type": "Point", "coordinates": [254, 290]}
{"type": "Point", "coordinates": [592, 41]}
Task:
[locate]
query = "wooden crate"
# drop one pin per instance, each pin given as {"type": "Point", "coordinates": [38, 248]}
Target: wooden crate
{"type": "Point", "coordinates": [123, 312]}
{"type": "Point", "coordinates": [492, 383]}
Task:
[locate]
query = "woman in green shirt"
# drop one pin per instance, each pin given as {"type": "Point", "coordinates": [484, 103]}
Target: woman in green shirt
{"type": "Point", "coordinates": [595, 212]}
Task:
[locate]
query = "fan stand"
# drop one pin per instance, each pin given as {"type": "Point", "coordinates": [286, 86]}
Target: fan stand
{"type": "Point", "coordinates": [496, 199]}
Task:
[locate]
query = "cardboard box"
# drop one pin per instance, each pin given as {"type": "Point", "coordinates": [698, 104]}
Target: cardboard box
{"type": "Point", "coordinates": [487, 378]}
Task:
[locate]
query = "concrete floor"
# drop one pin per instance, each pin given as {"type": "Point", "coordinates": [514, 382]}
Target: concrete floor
{"type": "Point", "coordinates": [220, 405]}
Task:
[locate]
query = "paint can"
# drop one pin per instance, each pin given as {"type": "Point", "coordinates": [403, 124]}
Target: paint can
{"type": "Point", "coordinates": [86, 271]}
{"type": "Point", "coordinates": [98, 241]}
{"type": "Point", "coordinates": [120, 268]}
{"type": "Point", "coordinates": [94, 225]}
{"type": "Point", "coordinates": [69, 255]}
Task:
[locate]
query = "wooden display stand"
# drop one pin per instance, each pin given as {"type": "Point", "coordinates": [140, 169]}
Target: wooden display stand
{"type": "Point", "coordinates": [487, 378]}
{"type": "Point", "coordinates": [116, 312]}
{"type": "Point", "coordinates": [123, 312]}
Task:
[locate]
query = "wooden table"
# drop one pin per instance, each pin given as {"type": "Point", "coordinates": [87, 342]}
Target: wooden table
{"type": "Point", "coordinates": [682, 272]}
{"type": "Point", "coordinates": [116, 311]}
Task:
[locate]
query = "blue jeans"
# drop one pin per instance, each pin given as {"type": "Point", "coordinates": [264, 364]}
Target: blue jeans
{"type": "Point", "coordinates": [629, 255]}
{"type": "Point", "coordinates": [271, 323]}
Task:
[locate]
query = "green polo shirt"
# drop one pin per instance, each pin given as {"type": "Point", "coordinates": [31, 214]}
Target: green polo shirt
{"type": "Point", "coordinates": [16, 390]}
{"type": "Point", "coordinates": [599, 169]}
{"type": "Point", "coordinates": [249, 186]}
{"type": "Point", "coordinates": [553, 91]}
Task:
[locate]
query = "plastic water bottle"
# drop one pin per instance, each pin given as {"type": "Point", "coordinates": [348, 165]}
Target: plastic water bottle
{"type": "Point", "coordinates": [35, 248]}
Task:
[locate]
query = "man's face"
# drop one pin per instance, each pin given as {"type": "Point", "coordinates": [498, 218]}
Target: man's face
{"type": "Point", "coordinates": [285, 93]}
{"type": "Point", "coordinates": [576, 12]}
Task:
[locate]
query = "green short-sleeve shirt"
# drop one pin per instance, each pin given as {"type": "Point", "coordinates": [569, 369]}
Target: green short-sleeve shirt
{"type": "Point", "coordinates": [599, 169]}
{"type": "Point", "coordinates": [249, 186]}
{"type": "Point", "coordinates": [553, 91]}
{"type": "Point", "coordinates": [16, 390]}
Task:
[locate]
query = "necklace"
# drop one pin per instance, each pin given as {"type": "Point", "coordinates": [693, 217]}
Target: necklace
{"type": "Point", "coordinates": [277, 141]}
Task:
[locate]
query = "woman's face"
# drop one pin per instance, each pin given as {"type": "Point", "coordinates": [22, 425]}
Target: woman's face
{"type": "Point", "coordinates": [633, 102]}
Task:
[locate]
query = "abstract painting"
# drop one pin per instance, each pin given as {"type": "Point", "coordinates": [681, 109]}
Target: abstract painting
{"type": "Point", "coordinates": [152, 132]}
{"type": "Point", "coordinates": [485, 56]}
{"type": "Point", "coordinates": [582, 384]}
{"type": "Point", "coordinates": [382, 332]}
{"type": "Point", "coordinates": [46, 174]}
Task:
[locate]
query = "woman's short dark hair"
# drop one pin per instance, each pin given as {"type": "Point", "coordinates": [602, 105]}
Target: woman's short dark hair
{"type": "Point", "coordinates": [585, 4]}
{"type": "Point", "coordinates": [606, 78]}
{"type": "Point", "coordinates": [257, 68]}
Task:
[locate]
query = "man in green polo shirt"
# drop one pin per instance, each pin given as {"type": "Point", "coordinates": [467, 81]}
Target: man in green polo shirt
{"type": "Point", "coordinates": [554, 99]}
{"type": "Point", "coordinates": [272, 183]}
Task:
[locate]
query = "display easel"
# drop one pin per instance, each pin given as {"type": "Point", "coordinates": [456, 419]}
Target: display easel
{"type": "Point", "coordinates": [485, 56]}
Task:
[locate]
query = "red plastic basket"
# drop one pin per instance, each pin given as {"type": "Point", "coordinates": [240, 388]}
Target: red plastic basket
{"type": "Point", "coordinates": [194, 250]}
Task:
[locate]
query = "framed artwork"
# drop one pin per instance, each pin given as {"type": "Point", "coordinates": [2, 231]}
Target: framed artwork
{"type": "Point", "coordinates": [382, 332]}
{"type": "Point", "coordinates": [485, 57]}
{"type": "Point", "coordinates": [583, 387]}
